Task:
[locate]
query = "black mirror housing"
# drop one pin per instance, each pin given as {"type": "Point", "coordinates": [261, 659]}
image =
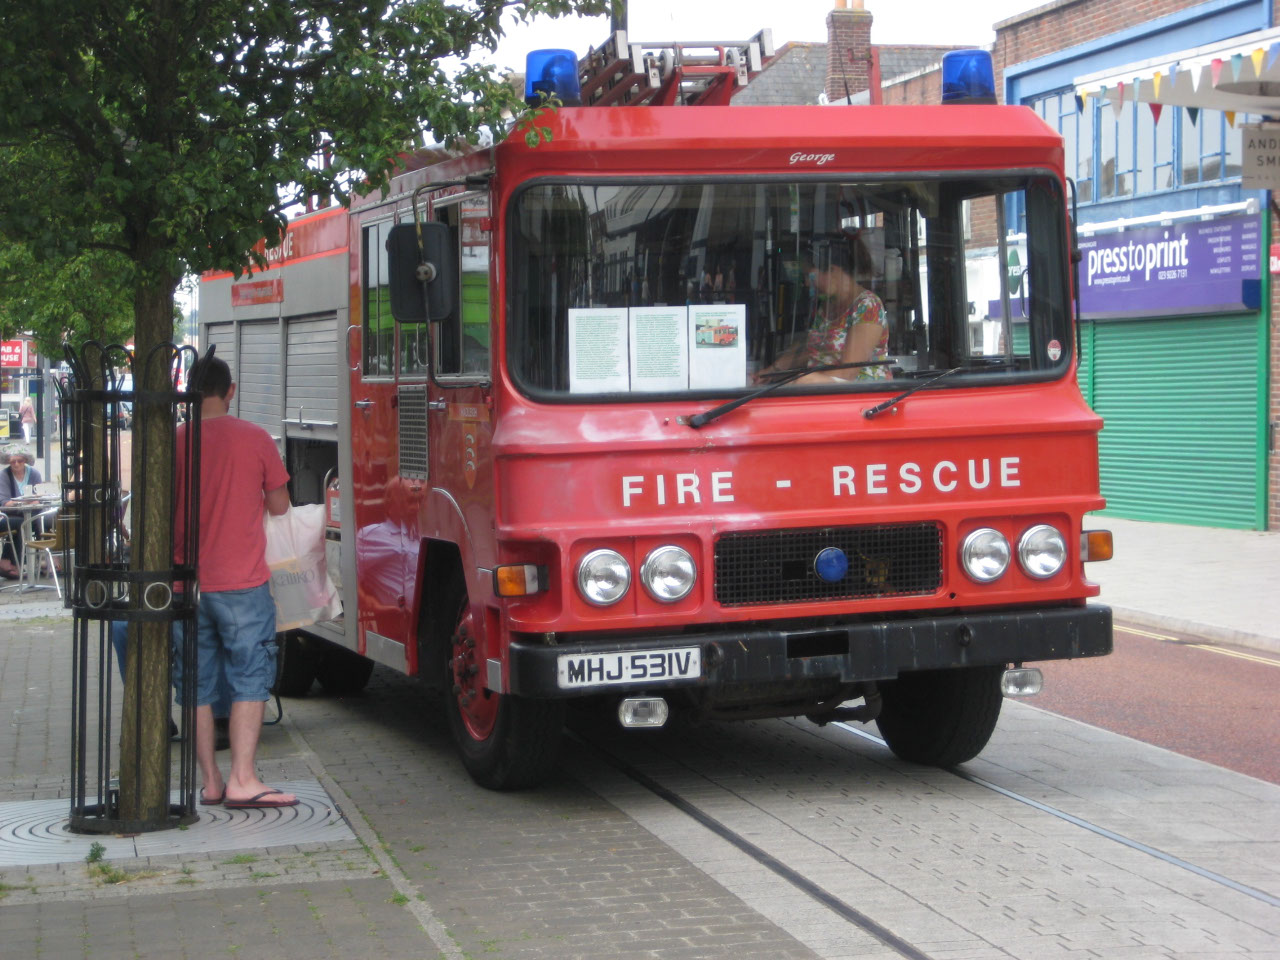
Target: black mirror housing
{"type": "Point", "coordinates": [423, 280]}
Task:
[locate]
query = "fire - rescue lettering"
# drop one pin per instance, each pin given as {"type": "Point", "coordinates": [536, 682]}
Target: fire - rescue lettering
{"type": "Point", "coordinates": [686, 488]}
{"type": "Point", "coordinates": [944, 476]}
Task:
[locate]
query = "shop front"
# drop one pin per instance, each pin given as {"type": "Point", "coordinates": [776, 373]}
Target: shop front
{"type": "Point", "coordinates": [1173, 355]}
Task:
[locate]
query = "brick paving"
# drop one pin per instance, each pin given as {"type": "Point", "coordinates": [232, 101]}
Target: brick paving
{"type": "Point", "coordinates": [444, 868]}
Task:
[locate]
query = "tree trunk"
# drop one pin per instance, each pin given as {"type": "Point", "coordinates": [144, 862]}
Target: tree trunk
{"type": "Point", "coordinates": [144, 760]}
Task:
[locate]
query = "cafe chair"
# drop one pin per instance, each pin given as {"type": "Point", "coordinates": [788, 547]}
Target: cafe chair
{"type": "Point", "coordinates": [55, 537]}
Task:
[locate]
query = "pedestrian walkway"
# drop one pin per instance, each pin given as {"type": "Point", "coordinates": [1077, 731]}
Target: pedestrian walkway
{"type": "Point", "coordinates": [1219, 584]}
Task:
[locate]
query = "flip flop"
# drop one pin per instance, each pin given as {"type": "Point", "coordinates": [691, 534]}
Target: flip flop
{"type": "Point", "coordinates": [214, 802]}
{"type": "Point", "coordinates": [257, 802]}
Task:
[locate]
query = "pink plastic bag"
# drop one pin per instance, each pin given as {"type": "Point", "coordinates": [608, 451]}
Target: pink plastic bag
{"type": "Point", "coordinates": [300, 583]}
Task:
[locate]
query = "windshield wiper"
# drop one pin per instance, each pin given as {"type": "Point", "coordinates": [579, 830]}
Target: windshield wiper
{"type": "Point", "coordinates": [788, 376]}
{"type": "Point", "coordinates": [882, 407]}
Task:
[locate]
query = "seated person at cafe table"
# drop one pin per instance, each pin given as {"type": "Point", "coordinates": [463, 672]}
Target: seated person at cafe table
{"type": "Point", "coordinates": [16, 482]}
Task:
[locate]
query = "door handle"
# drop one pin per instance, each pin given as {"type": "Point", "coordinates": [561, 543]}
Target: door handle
{"type": "Point", "coordinates": [437, 405]}
{"type": "Point", "coordinates": [363, 404]}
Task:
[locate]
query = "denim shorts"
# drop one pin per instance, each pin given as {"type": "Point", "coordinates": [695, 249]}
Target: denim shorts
{"type": "Point", "coordinates": [235, 638]}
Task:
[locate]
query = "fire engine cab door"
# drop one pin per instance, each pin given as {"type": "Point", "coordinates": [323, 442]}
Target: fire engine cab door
{"type": "Point", "coordinates": [383, 364]}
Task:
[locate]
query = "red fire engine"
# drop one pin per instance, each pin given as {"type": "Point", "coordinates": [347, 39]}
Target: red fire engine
{"type": "Point", "coordinates": [550, 490]}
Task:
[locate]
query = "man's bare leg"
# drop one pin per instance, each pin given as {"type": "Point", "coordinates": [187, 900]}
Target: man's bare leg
{"type": "Point", "coordinates": [212, 785]}
{"type": "Point", "coordinates": [246, 726]}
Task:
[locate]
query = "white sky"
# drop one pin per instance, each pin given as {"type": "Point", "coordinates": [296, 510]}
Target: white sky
{"type": "Point", "coordinates": [894, 21]}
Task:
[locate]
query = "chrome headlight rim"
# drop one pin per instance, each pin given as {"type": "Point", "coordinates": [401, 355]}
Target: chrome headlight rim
{"type": "Point", "coordinates": [585, 583]}
{"type": "Point", "coordinates": [649, 572]}
{"type": "Point", "coordinates": [973, 551]}
{"type": "Point", "coordinates": [1027, 547]}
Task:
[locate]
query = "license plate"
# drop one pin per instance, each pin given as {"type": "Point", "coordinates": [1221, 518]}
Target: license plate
{"type": "Point", "coordinates": [631, 666]}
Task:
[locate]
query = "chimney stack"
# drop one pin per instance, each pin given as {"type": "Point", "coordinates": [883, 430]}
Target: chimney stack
{"type": "Point", "coordinates": [848, 49]}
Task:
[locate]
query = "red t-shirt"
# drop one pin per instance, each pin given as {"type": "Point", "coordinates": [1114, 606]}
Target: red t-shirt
{"type": "Point", "coordinates": [239, 464]}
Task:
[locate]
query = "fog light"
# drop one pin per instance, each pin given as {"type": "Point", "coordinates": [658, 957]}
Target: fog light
{"type": "Point", "coordinates": [985, 555]}
{"type": "Point", "coordinates": [1021, 682]}
{"type": "Point", "coordinates": [643, 712]}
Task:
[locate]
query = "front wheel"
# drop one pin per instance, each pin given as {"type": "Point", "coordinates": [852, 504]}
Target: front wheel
{"type": "Point", "coordinates": [506, 742]}
{"type": "Point", "coordinates": [941, 717]}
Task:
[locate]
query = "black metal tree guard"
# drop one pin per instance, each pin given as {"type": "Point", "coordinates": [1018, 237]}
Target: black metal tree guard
{"type": "Point", "coordinates": [103, 590]}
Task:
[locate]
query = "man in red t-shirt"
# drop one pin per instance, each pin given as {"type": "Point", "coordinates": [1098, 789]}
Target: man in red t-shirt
{"type": "Point", "coordinates": [240, 474]}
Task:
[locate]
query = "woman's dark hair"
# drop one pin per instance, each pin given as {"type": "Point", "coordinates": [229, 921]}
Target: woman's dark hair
{"type": "Point", "coordinates": [848, 252]}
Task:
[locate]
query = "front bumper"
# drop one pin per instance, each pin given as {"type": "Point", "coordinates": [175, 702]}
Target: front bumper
{"type": "Point", "coordinates": [840, 653]}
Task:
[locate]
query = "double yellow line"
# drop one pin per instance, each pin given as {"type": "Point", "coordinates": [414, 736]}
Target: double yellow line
{"type": "Point", "coordinates": [1255, 658]}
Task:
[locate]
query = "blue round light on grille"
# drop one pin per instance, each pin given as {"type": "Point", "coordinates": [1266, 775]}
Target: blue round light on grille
{"type": "Point", "coordinates": [831, 564]}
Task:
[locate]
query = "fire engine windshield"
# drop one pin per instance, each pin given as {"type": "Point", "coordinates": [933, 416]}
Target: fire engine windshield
{"type": "Point", "coordinates": [625, 290]}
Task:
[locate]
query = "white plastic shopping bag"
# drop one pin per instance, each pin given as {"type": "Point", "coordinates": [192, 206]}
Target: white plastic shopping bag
{"type": "Point", "coordinates": [300, 583]}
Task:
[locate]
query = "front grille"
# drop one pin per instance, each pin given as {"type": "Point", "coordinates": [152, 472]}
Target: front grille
{"type": "Point", "coordinates": [776, 566]}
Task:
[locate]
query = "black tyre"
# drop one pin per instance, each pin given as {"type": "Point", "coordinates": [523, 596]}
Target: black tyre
{"type": "Point", "coordinates": [506, 742]}
{"type": "Point", "coordinates": [296, 666]}
{"type": "Point", "coordinates": [341, 672]}
{"type": "Point", "coordinates": [941, 717]}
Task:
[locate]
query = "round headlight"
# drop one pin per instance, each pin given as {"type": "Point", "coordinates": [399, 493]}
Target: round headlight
{"type": "Point", "coordinates": [1042, 551]}
{"type": "Point", "coordinates": [668, 574]}
{"type": "Point", "coordinates": [603, 577]}
{"type": "Point", "coordinates": [985, 555]}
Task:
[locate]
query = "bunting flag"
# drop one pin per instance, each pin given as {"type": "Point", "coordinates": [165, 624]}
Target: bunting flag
{"type": "Point", "coordinates": [1079, 104]}
{"type": "Point", "coordinates": [1257, 57]}
{"type": "Point", "coordinates": [1156, 110]}
{"type": "Point", "coordinates": [1273, 53]}
{"type": "Point", "coordinates": [1231, 118]}
{"type": "Point", "coordinates": [1216, 68]}
{"type": "Point", "coordinates": [1236, 61]}
{"type": "Point", "coordinates": [1155, 82]}
{"type": "Point", "coordinates": [1194, 114]}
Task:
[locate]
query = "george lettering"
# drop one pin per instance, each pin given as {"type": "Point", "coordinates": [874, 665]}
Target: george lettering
{"type": "Point", "coordinates": [816, 158]}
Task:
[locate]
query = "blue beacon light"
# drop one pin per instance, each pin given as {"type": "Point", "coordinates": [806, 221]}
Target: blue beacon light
{"type": "Point", "coordinates": [552, 72]}
{"type": "Point", "coordinates": [967, 77]}
{"type": "Point", "coordinates": [831, 564]}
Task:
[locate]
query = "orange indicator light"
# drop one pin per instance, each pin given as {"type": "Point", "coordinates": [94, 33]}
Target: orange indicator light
{"type": "Point", "coordinates": [1096, 545]}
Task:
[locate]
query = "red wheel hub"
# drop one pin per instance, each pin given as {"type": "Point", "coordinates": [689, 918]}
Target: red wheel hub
{"type": "Point", "coordinates": [477, 706]}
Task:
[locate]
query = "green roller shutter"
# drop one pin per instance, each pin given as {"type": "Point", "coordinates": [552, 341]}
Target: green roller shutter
{"type": "Point", "coordinates": [1183, 401]}
{"type": "Point", "coordinates": [1084, 373]}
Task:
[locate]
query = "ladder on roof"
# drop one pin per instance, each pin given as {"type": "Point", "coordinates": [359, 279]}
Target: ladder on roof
{"type": "Point", "coordinates": [618, 73]}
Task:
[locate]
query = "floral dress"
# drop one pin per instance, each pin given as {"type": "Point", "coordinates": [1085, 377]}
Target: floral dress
{"type": "Point", "coordinates": [827, 337]}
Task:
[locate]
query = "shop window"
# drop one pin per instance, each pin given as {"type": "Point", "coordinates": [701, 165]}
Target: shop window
{"type": "Point", "coordinates": [1117, 162]}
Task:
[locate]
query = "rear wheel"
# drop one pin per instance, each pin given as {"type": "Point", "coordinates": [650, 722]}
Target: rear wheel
{"type": "Point", "coordinates": [342, 672]}
{"type": "Point", "coordinates": [941, 717]}
{"type": "Point", "coordinates": [506, 742]}
{"type": "Point", "coordinates": [296, 671]}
